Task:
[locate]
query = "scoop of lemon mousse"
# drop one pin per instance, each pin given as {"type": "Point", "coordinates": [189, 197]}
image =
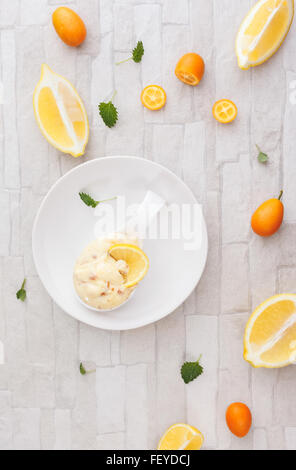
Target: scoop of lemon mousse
{"type": "Point", "coordinates": [108, 270]}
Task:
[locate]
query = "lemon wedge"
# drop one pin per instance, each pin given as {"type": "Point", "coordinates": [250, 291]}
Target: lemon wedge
{"type": "Point", "coordinates": [270, 336]}
{"type": "Point", "coordinates": [263, 31]}
{"type": "Point", "coordinates": [181, 437]}
{"type": "Point", "coordinates": [60, 113]}
{"type": "Point", "coordinates": [136, 259]}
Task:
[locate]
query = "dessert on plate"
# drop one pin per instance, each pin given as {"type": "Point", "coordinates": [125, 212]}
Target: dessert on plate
{"type": "Point", "coordinates": [99, 279]}
{"type": "Point", "coordinates": [108, 270]}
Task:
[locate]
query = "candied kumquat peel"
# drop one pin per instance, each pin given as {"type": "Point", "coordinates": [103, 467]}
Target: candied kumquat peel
{"type": "Point", "coordinates": [224, 111]}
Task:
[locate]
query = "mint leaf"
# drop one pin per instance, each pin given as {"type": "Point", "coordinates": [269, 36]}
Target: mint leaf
{"type": "Point", "coordinates": [262, 157]}
{"type": "Point", "coordinates": [83, 371]}
{"type": "Point", "coordinates": [22, 294]}
{"type": "Point", "coordinates": [108, 113]}
{"type": "Point", "coordinates": [89, 201]}
{"type": "Point", "coordinates": [138, 52]}
{"type": "Point", "coordinates": [191, 370]}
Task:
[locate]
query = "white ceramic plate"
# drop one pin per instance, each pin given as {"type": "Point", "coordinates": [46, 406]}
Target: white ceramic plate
{"type": "Point", "coordinates": [64, 226]}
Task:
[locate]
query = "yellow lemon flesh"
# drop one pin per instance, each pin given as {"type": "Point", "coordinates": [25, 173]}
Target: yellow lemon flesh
{"type": "Point", "coordinates": [181, 437]}
{"type": "Point", "coordinates": [270, 336]}
{"type": "Point", "coordinates": [60, 113]}
{"type": "Point", "coordinates": [263, 31]}
{"type": "Point", "coordinates": [136, 259]}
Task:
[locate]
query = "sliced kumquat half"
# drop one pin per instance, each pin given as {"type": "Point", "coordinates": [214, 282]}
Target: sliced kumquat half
{"type": "Point", "coordinates": [153, 97]}
{"type": "Point", "coordinates": [224, 111]}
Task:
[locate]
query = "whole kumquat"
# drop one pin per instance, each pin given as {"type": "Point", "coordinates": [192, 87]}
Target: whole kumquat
{"type": "Point", "coordinates": [69, 26]}
{"type": "Point", "coordinates": [239, 419]}
{"type": "Point", "coordinates": [268, 218]}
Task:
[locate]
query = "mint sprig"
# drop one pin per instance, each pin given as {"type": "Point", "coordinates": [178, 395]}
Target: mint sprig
{"type": "Point", "coordinates": [137, 54]}
{"type": "Point", "coordinates": [89, 201]}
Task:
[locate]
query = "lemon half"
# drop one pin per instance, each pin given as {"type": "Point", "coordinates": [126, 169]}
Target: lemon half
{"type": "Point", "coordinates": [270, 336]}
{"type": "Point", "coordinates": [263, 31]}
{"type": "Point", "coordinates": [60, 113]}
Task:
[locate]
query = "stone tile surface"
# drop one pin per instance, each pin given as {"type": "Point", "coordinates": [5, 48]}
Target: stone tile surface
{"type": "Point", "coordinates": [136, 391]}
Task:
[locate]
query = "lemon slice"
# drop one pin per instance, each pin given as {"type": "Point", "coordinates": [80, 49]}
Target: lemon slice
{"type": "Point", "coordinates": [181, 437]}
{"type": "Point", "coordinates": [60, 113]}
{"type": "Point", "coordinates": [263, 31]}
{"type": "Point", "coordinates": [136, 260]}
{"type": "Point", "coordinates": [270, 336]}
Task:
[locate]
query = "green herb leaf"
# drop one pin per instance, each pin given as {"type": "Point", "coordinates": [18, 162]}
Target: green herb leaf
{"type": "Point", "coordinates": [22, 294]}
{"type": "Point", "coordinates": [108, 113]}
{"type": "Point", "coordinates": [191, 370]}
{"type": "Point", "coordinates": [89, 201]}
{"type": "Point", "coordinates": [82, 369]}
{"type": "Point", "coordinates": [138, 52]}
{"type": "Point", "coordinates": [262, 157]}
